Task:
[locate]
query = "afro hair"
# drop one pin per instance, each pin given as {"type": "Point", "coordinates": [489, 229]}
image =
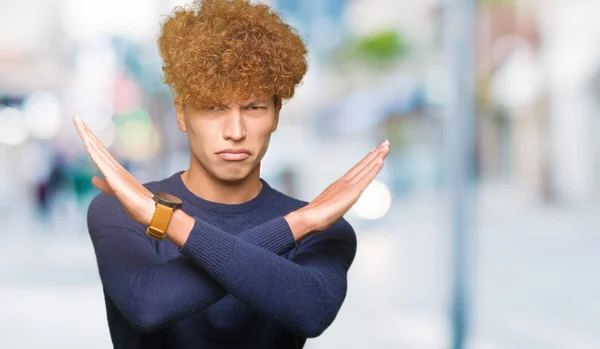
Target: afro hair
{"type": "Point", "coordinates": [214, 51]}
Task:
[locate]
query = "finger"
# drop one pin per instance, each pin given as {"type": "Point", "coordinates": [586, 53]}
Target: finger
{"type": "Point", "coordinates": [89, 147]}
{"type": "Point", "coordinates": [372, 164]}
{"type": "Point", "coordinates": [79, 127]}
{"type": "Point", "coordinates": [100, 162]}
{"type": "Point", "coordinates": [89, 140]}
{"type": "Point", "coordinates": [360, 187]}
{"type": "Point", "coordinates": [85, 130]}
{"type": "Point", "coordinates": [105, 168]}
{"type": "Point", "coordinates": [100, 146]}
{"type": "Point", "coordinates": [112, 178]}
{"type": "Point", "coordinates": [122, 188]}
{"type": "Point", "coordinates": [343, 182]}
{"type": "Point", "coordinates": [115, 164]}
{"type": "Point", "coordinates": [127, 195]}
{"type": "Point", "coordinates": [102, 185]}
{"type": "Point", "coordinates": [105, 154]}
{"type": "Point", "coordinates": [369, 176]}
{"type": "Point", "coordinates": [361, 164]}
{"type": "Point", "coordinates": [342, 185]}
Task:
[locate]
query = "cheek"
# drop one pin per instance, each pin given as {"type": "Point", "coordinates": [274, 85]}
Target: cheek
{"type": "Point", "coordinates": [264, 126]}
{"type": "Point", "coordinates": [261, 132]}
{"type": "Point", "coordinates": [198, 126]}
{"type": "Point", "coordinates": [265, 138]}
{"type": "Point", "coordinates": [202, 139]}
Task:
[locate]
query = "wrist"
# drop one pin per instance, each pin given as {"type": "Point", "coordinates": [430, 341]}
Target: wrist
{"type": "Point", "coordinates": [179, 228]}
{"type": "Point", "coordinates": [148, 212]}
{"type": "Point", "coordinates": [298, 223]}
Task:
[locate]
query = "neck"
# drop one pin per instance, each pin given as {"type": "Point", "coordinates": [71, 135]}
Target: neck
{"type": "Point", "coordinates": [209, 188]}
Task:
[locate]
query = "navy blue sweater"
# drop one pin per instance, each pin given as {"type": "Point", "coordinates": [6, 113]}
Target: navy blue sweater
{"type": "Point", "coordinates": [239, 281]}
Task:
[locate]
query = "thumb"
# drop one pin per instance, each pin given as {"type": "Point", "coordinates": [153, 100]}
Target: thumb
{"type": "Point", "coordinates": [102, 185]}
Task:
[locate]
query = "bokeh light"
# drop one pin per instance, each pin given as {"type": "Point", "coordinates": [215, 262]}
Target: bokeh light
{"type": "Point", "coordinates": [375, 201]}
{"type": "Point", "coordinates": [13, 129]}
{"type": "Point", "coordinates": [134, 131]}
{"type": "Point", "coordinates": [43, 115]}
{"type": "Point", "coordinates": [107, 134]}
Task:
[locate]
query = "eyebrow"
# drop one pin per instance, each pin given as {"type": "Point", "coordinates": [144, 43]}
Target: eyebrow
{"type": "Point", "coordinates": [254, 103]}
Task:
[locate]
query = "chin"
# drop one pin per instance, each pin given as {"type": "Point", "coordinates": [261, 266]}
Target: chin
{"type": "Point", "coordinates": [232, 174]}
{"type": "Point", "coordinates": [233, 177]}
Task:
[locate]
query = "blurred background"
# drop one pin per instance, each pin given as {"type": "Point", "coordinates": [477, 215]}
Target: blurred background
{"type": "Point", "coordinates": [503, 251]}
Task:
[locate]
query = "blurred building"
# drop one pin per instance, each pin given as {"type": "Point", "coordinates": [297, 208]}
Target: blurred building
{"type": "Point", "coordinates": [537, 110]}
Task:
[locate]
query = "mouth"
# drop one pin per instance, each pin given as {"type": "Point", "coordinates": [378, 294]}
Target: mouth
{"type": "Point", "coordinates": [234, 154]}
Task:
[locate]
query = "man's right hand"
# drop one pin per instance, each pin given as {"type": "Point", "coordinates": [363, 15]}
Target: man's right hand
{"type": "Point", "coordinates": [339, 196]}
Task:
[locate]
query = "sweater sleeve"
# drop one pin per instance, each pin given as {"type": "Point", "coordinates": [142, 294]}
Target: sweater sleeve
{"type": "Point", "coordinates": [149, 292]}
{"type": "Point", "coordinates": [304, 294]}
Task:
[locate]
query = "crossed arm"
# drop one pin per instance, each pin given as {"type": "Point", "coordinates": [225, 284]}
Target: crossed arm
{"type": "Point", "coordinates": [304, 293]}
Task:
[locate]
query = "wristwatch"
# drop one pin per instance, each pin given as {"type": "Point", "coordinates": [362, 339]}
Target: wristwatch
{"type": "Point", "coordinates": [165, 205]}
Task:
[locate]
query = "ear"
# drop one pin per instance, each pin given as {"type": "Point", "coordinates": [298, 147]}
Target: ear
{"type": "Point", "coordinates": [179, 112]}
{"type": "Point", "coordinates": [277, 110]}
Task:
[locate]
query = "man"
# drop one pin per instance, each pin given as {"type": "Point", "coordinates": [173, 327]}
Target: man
{"type": "Point", "coordinates": [213, 256]}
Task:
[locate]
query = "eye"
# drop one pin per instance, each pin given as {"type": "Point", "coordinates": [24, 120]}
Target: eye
{"type": "Point", "coordinates": [256, 107]}
{"type": "Point", "coordinates": [212, 108]}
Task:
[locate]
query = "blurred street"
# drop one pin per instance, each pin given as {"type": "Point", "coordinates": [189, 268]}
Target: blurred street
{"type": "Point", "coordinates": [517, 119]}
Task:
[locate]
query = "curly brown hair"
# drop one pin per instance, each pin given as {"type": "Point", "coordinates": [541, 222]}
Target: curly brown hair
{"type": "Point", "coordinates": [217, 50]}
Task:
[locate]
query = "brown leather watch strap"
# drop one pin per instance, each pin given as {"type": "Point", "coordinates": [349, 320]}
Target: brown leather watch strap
{"type": "Point", "coordinates": [160, 221]}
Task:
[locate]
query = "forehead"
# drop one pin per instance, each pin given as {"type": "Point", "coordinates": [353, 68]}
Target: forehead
{"type": "Point", "coordinates": [232, 96]}
{"type": "Point", "coordinates": [255, 98]}
{"type": "Point", "coordinates": [234, 101]}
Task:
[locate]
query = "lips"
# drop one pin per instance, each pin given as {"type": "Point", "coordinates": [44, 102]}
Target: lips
{"type": "Point", "coordinates": [234, 154]}
{"type": "Point", "coordinates": [234, 151]}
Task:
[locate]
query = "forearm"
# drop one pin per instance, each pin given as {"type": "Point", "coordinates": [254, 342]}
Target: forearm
{"type": "Point", "coordinates": [181, 225]}
{"type": "Point", "coordinates": [162, 293]}
{"type": "Point", "coordinates": [305, 294]}
{"type": "Point", "coordinates": [137, 280]}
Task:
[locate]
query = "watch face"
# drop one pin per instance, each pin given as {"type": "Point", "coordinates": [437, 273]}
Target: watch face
{"type": "Point", "coordinates": [167, 199]}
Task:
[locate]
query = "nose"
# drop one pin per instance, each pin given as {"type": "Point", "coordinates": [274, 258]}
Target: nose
{"type": "Point", "coordinates": [234, 129]}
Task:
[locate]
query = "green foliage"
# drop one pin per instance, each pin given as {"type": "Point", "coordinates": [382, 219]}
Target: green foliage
{"type": "Point", "coordinates": [386, 45]}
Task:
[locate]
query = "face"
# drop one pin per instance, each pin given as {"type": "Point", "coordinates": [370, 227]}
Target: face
{"type": "Point", "coordinates": [229, 141]}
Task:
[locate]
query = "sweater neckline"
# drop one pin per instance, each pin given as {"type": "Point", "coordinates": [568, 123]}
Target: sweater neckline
{"type": "Point", "coordinates": [181, 189]}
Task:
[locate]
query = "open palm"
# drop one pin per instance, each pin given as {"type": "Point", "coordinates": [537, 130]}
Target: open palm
{"type": "Point", "coordinates": [341, 195]}
{"type": "Point", "coordinates": [135, 198]}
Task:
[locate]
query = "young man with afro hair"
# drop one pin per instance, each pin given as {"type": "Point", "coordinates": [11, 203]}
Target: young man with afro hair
{"type": "Point", "coordinates": [213, 256]}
